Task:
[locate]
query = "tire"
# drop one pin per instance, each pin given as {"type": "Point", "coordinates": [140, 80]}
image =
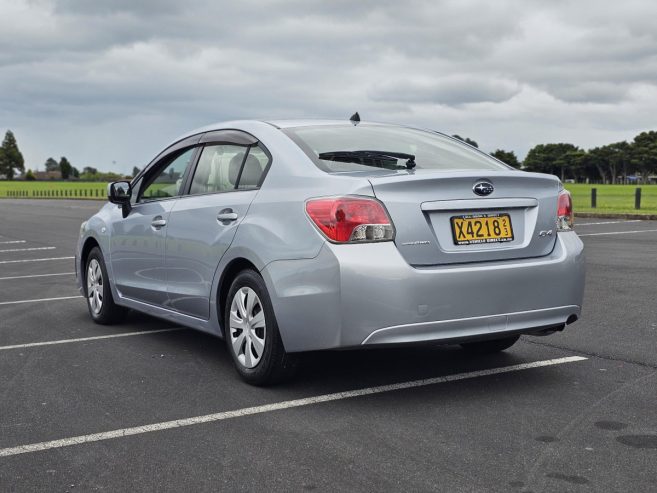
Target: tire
{"type": "Point", "coordinates": [98, 293]}
{"type": "Point", "coordinates": [257, 349]}
{"type": "Point", "coordinates": [492, 346]}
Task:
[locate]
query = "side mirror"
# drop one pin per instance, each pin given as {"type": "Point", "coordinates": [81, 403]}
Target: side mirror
{"type": "Point", "coordinates": [120, 192]}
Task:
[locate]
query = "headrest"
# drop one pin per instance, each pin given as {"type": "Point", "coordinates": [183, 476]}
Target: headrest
{"type": "Point", "coordinates": [251, 173]}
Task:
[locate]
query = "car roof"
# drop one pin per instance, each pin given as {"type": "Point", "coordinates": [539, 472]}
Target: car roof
{"type": "Point", "coordinates": [309, 122]}
{"type": "Point", "coordinates": [247, 125]}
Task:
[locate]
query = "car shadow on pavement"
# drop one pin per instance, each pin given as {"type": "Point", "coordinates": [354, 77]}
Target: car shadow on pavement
{"type": "Point", "coordinates": [356, 368]}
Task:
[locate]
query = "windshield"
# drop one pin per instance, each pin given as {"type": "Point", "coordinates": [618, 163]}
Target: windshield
{"type": "Point", "coordinates": [431, 150]}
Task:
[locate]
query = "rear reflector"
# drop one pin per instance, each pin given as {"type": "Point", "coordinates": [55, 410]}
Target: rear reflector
{"type": "Point", "coordinates": [351, 219]}
{"type": "Point", "coordinates": [565, 216]}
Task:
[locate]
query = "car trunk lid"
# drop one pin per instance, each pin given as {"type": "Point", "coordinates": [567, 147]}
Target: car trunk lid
{"type": "Point", "coordinates": [424, 205]}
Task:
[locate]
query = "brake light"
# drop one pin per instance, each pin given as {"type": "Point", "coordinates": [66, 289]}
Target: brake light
{"type": "Point", "coordinates": [351, 219]}
{"type": "Point", "coordinates": [565, 216]}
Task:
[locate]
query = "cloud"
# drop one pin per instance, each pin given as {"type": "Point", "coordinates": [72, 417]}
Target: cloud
{"type": "Point", "coordinates": [115, 81]}
{"type": "Point", "coordinates": [450, 90]}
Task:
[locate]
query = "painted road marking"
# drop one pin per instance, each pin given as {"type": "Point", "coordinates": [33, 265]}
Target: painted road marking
{"type": "Point", "coordinates": [276, 406]}
{"type": "Point", "coordinates": [26, 249]}
{"type": "Point", "coordinates": [84, 339]}
{"type": "Point", "coordinates": [620, 232]}
{"type": "Point", "coordinates": [41, 299]}
{"type": "Point", "coordinates": [37, 275]}
{"type": "Point", "coordinates": [34, 260]}
{"type": "Point", "coordinates": [610, 222]}
{"type": "Point", "coordinates": [11, 242]}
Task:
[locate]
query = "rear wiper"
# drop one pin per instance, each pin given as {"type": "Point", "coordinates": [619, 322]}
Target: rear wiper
{"type": "Point", "coordinates": [379, 159]}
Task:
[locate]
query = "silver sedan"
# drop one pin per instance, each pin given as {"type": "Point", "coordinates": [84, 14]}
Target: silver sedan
{"type": "Point", "coordinates": [291, 236]}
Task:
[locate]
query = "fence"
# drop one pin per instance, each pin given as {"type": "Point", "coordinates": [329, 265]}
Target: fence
{"type": "Point", "coordinates": [92, 193]}
{"type": "Point", "coordinates": [637, 198]}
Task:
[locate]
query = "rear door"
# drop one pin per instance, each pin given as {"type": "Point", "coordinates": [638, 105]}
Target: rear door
{"type": "Point", "coordinates": [203, 222]}
{"type": "Point", "coordinates": [440, 218]}
{"type": "Point", "coordinates": [138, 240]}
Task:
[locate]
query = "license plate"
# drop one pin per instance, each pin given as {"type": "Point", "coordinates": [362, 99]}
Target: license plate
{"type": "Point", "coordinates": [471, 229]}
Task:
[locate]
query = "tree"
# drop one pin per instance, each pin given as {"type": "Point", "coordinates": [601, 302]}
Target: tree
{"type": "Point", "coordinates": [65, 168]}
{"type": "Point", "coordinates": [598, 157]}
{"type": "Point", "coordinates": [88, 170]}
{"type": "Point", "coordinates": [466, 140]}
{"type": "Point", "coordinates": [51, 164]}
{"type": "Point", "coordinates": [619, 158]}
{"type": "Point", "coordinates": [554, 159]}
{"type": "Point", "coordinates": [29, 176]}
{"type": "Point", "coordinates": [508, 157]}
{"type": "Point", "coordinates": [75, 172]}
{"type": "Point", "coordinates": [581, 165]}
{"type": "Point", "coordinates": [135, 171]}
{"type": "Point", "coordinates": [643, 153]}
{"type": "Point", "coordinates": [11, 159]}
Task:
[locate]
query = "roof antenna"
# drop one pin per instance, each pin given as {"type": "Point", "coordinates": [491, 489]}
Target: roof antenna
{"type": "Point", "coordinates": [355, 119]}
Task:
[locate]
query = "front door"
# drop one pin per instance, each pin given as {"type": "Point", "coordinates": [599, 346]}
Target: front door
{"type": "Point", "coordinates": [137, 245]}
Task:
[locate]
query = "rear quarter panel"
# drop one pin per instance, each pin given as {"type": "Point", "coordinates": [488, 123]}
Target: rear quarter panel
{"type": "Point", "coordinates": [276, 227]}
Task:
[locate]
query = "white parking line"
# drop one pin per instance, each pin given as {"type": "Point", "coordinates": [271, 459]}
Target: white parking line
{"type": "Point", "coordinates": [34, 260]}
{"type": "Point", "coordinates": [11, 242]}
{"type": "Point", "coordinates": [620, 232]}
{"type": "Point", "coordinates": [37, 275]}
{"type": "Point", "coordinates": [26, 249]}
{"type": "Point", "coordinates": [610, 222]}
{"type": "Point", "coordinates": [276, 406]}
{"type": "Point", "coordinates": [41, 299]}
{"type": "Point", "coordinates": [84, 339]}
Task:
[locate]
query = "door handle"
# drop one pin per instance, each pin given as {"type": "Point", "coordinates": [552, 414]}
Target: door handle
{"type": "Point", "coordinates": [158, 222]}
{"type": "Point", "coordinates": [227, 216]}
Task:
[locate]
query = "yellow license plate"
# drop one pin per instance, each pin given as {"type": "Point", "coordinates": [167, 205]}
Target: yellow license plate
{"type": "Point", "coordinates": [481, 228]}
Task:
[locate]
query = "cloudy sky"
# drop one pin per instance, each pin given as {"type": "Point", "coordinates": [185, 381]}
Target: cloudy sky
{"type": "Point", "coordinates": [109, 83]}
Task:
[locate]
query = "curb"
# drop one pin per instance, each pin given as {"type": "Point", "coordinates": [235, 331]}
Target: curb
{"type": "Point", "coordinates": [602, 215]}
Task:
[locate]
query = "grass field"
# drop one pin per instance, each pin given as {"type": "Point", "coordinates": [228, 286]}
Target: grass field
{"type": "Point", "coordinates": [614, 198]}
{"type": "Point", "coordinates": [611, 198]}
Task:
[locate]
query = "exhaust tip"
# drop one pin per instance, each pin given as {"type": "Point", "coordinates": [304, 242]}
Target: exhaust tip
{"type": "Point", "coordinates": [571, 319]}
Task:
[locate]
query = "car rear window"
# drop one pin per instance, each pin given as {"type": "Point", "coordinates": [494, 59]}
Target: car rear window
{"type": "Point", "coordinates": [432, 151]}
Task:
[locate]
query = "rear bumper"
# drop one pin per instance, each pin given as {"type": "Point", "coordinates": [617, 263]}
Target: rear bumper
{"type": "Point", "coordinates": [359, 295]}
{"type": "Point", "coordinates": [473, 328]}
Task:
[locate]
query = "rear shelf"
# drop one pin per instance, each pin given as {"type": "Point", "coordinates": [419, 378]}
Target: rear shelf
{"type": "Point", "coordinates": [422, 205]}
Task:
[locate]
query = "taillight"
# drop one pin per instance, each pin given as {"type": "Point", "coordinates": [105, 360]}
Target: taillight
{"type": "Point", "coordinates": [565, 216]}
{"type": "Point", "coordinates": [351, 219]}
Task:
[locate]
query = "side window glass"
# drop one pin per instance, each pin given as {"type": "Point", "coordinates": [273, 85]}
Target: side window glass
{"type": "Point", "coordinates": [167, 182]}
{"type": "Point", "coordinates": [218, 169]}
{"type": "Point", "coordinates": [254, 166]}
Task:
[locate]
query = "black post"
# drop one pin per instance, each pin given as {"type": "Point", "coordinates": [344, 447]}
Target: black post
{"type": "Point", "coordinates": [637, 198]}
{"type": "Point", "coordinates": [594, 198]}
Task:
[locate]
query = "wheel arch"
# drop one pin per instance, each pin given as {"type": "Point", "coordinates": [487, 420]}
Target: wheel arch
{"type": "Point", "coordinates": [89, 244]}
{"type": "Point", "coordinates": [230, 272]}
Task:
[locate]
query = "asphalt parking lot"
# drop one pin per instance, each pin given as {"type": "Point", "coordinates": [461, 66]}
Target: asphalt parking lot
{"type": "Point", "coordinates": [149, 406]}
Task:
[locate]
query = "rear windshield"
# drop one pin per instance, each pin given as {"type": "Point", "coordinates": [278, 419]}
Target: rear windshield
{"type": "Point", "coordinates": [432, 151]}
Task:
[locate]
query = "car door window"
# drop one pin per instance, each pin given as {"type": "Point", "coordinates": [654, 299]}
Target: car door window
{"type": "Point", "coordinates": [254, 166]}
{"type": "Point", "coordinates": [226, 167]}
{"type": "Point", "coordinates": [168, 180]}
{"type": "Point", "coordinates": [218, 168]}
